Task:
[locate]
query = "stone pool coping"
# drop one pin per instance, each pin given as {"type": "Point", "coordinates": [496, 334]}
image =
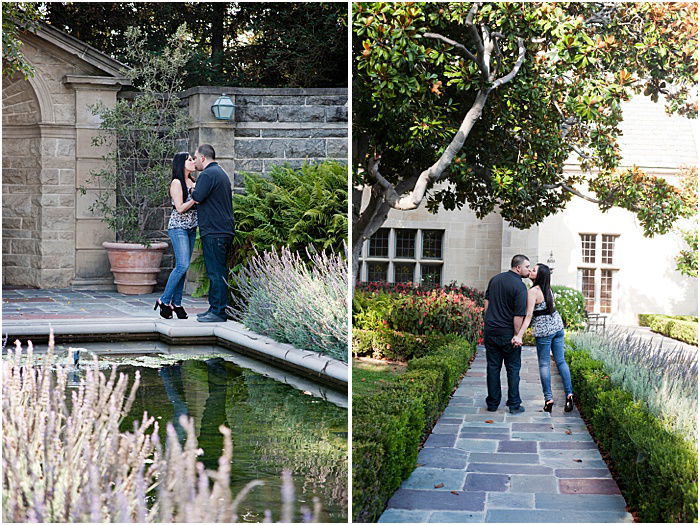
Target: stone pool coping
{"type": "Point", "coordinates": [230, 335]}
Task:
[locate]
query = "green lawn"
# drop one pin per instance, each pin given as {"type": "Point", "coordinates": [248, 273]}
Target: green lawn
{"type": "Point", "coordinates": [368, 376]}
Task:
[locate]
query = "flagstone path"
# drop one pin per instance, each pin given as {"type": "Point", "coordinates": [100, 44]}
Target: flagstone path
{"type": "Point", "coordinates": [526, 468]}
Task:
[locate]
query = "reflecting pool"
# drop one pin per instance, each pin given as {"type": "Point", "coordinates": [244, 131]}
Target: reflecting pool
{"type": "Point", "coordinates": [277, 420]}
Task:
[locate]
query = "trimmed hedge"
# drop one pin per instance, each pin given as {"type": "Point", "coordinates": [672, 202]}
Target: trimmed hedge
{"type": "Point", "coordinates": [388, 425]}
{"type": "Point", "coordinates": [680, 327]}
{"type": "Point", "coordinates": [396, 346]}
{"type": "Point", "coordinates": [658, 469]}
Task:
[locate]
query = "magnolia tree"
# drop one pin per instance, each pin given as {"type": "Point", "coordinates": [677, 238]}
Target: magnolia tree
{"type": "Point", "coordinates": [492, 99]}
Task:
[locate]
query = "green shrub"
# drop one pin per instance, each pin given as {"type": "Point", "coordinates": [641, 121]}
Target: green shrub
{"type": "Point", "coordinates": [686, 331]}
{"type": "Point", "coordinates": [571, 306]}
{"type": "Point", "coordinates": [396, 346]}
{"type": "Point", "coordinates": [645, 319]}
{"type": "Point", "coordinates": [411, 289]}
{"type": "Point", "coordinates": [658, 468]}
{"type": "Point", "coordinates": [437, 311]}
{"type": "Point", "coordinates": [370, 310]}
{"type": "Point", "coordinates": [388, 425]}
{"type": "Point", "coordinates": [451, 360]}
{"type": "Point", "coordinates": [395, 424]}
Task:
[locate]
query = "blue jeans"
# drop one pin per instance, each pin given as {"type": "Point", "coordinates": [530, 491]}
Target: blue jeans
{"type": "Point", "coordinates": [216, 249]}
{"type": "Point", "coordinates": [555, 343]}
{"type": "Point", "coordinates": [499, 351]}
{"type": "Point", "coordinates": [183, 245]}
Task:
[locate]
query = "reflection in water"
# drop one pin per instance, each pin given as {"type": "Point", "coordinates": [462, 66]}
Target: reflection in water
{"type": "Point", "coordinates": [273, 427]}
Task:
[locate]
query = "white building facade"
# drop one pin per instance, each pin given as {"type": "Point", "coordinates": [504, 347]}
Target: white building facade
{"type": "Point", "coordinates": [605, 255]}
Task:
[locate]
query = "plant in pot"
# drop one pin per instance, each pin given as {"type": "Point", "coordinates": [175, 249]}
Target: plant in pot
{"type": "Point", "coordinates": [141, 132]}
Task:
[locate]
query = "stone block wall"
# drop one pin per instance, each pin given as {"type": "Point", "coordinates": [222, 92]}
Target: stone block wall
{"type": "Point", "coordinates": [21, 184]}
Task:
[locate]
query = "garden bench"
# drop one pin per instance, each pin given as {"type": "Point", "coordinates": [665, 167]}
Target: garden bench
{"type": "Point", "coordinates": [594, 321]}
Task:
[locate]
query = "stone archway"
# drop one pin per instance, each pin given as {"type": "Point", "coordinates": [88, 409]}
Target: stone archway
{"type": "Point", "coordinates": [21, 184]}
{"type": "Point", "coordinates": [51, 240]}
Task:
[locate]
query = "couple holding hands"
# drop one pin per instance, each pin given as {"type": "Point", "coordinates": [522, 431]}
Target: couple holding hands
{"type": "Point", "coordinates": [205, 203]}
{"type": "Point", "coordinates": [510, 309]}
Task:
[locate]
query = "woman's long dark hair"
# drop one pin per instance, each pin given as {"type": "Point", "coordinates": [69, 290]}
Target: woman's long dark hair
{"type": "Point", "coordinates": [543, 279]}
{"type": "Point", "coordinates": [179, 171]}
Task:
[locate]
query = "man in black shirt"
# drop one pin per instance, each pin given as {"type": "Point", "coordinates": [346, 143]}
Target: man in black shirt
{"type": "Point", "coordinates": [215, 216]}
{"type": "Point", "coordinates": [506, 302]}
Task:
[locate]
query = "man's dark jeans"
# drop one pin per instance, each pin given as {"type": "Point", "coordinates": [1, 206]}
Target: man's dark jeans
{"type": "Point", "coordinates": [499, 350]}
{"type": "Point", "coordinates": [216, 249]}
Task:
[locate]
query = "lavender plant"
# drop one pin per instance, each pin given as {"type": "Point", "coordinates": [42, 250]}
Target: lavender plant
{"type": "Point", "coordinates": [282, 296]}
{"type": "Point", "coordinates": [664, 379]}
{"type": "Point", "coordinates": [65, 459]}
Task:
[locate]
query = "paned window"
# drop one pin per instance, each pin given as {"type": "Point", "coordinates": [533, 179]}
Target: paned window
{"type": "Point", "coordinates": [606, 288]}
{"type": "Point", "coordinates": [377, 271]}
{"type": "Point", "coordinates": [403, 272]}
{"type": "Point", "coordinates": [588, 287]}
{"type": "Point", "coordinates": [432, 244]}
{"type": "Point", "coordinates": [430, 274]}
{"type": "Point", "coordinates": [405, 243]}
{"type": "Point", "coordinates": [607, 248]}
{"type": "Point", "coordinates": [379, 243]}
{"type": "Point", "coordinates": [408, 255]}
{"type": "Point", "coordinates": [588, 247]}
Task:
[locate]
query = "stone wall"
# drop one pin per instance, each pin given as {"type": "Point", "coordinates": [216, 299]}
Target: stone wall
{"type": "Point", "coordinates": [21, 184]}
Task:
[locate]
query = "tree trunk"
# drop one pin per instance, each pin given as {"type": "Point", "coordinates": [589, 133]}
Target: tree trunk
{"type": "Point", "coordinates": [218, 18]}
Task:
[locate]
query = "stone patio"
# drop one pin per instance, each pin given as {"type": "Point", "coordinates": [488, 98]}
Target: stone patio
{"type": "Point", "coordinates": [480, 466]}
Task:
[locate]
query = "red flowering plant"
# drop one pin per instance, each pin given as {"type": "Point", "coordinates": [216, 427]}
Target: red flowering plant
{"type": "Point", "coordinates": [438, 312]}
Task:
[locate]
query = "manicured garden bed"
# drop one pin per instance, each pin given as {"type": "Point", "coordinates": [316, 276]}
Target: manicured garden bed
{"type": "Point", "coordinates": [680, 327]}
{"type": "Point", "coordinates": [653, 453]}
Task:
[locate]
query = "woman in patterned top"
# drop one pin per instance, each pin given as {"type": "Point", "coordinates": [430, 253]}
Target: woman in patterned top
{"type": "Point", "coordinates": [182, 230]}
{"type": "Point", "coordinates": [548, 329]}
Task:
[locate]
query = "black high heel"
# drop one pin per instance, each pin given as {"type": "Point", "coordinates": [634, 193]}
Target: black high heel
{"type": "Point", "coordinates": [180, 312]}
{"type": "Point", "coordinates": [569, 406]}
{"type": "Point", "coordinates": [548, 405]}
{"type": "Point", "coordinates": [166, 312]}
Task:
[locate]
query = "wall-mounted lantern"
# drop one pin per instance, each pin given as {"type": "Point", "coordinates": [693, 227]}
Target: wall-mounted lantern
{"type": "Point", "coordinates": [223, 108]}
{"type": "Point", "coordinates": [551, 262]}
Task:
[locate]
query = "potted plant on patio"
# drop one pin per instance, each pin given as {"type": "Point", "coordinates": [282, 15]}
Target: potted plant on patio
{"type": "Point", "coordinates": [141, 132]}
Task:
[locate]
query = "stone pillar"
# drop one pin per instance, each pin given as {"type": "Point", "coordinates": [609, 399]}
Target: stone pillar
{"type": "Point", "coordinates": [92, 269]}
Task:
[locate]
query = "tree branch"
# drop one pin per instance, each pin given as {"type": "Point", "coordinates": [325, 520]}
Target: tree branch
{"type": "Point", "coordinates": [454, 44]}
{"type": "Point", "coordinates": [573, 191]}
{"type": "Point", "coordinates": [518, 64]}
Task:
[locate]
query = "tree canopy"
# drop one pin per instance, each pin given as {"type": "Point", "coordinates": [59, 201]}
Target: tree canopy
{"type": "Point", "coordinates": [494, 98]}
{"type": "Point", "coordinates": [257, 44]}
{"type": "Point", "coordinates": [16, 17]}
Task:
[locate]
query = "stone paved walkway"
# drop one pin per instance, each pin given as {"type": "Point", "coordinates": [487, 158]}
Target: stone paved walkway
{"type": "Point", "coordinates": [27, 303]}
{"type": "Point", "coordinates": [530, 467]}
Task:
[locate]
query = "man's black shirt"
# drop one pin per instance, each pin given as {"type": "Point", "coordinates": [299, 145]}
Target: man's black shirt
{"type": "Point", "coordinates": [507, 297]}
{"type": "Point", "coordinates": [214, 208]}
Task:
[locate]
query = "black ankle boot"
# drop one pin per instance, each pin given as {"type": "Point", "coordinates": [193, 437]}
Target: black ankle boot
{"type": "Point", "coordinates": [166, 312]}
{"type": "Point", "coordinates": [180, 312]}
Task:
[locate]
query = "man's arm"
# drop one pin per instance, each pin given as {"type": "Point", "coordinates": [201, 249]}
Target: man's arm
{"type": "Point", "coordinates": [203, 188]}
{"type": "Point", "coordinates": [517, 323]}
{"type": "Point", "coordinates": [486, 305]}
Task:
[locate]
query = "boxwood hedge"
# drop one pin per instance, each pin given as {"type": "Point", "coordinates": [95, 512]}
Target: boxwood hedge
{"type": "Point", "coordinates": [388, 425]}
{"type": "Point", "coordinates": [396, 346]}
{"type": "Point", "coordinates": [658, 470]}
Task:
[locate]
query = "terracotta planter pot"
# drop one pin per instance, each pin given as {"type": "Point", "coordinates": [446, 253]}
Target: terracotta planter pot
{"type": "Point", "coordinates": [135, 267]}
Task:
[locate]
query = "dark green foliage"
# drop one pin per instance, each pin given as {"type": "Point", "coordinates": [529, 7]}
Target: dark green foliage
{"type": "Point", "coordinates": [396, 346]}
{"type": "Point", "coordinates": [388, 424]}
{"type": "Point", "coordinates": [17, 17]}
{"type": "Point", "coordinates": [256, 44]}
{"type": "Point", "coordinates": [658, 469]}
{"type": "Point", "coordinates": [449, 360]}
{"type": "Point", "coordinates": [571, 306]}
{"type": "Point", "coordinates": [301, 209]}
{"type": "Point", "coordinates": [395, 424]}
